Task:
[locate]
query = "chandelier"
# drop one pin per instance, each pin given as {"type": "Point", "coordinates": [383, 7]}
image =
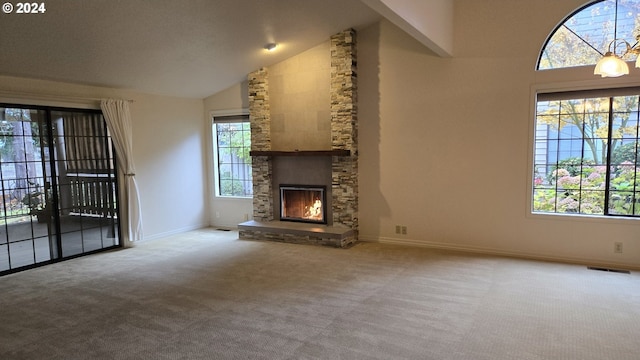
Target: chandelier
{"type": "Point", "coordinates": [612, 65]}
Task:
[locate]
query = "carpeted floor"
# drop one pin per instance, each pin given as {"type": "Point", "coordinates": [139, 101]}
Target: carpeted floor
{"type": "Point", "coordinates": [207, 295]}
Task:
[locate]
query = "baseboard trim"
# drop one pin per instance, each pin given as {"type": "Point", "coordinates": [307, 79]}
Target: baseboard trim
{"type": "Point", "coordinates": [498, 252]}
{"type": "Point", "coordinates": [173, 232]}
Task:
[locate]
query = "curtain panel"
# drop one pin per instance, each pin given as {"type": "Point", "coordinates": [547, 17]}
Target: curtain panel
{"type": "Point", "coordinates": [118, 118]}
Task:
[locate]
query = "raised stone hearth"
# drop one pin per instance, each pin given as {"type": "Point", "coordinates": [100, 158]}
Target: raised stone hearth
{"type": "Point", "coordinates": [299, 233]}
{"type": "Point", "coordinates": [341, 169]}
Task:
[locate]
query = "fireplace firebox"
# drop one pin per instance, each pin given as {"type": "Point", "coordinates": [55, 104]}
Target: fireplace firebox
{"type": "Point", "coordinates": [303, 203]}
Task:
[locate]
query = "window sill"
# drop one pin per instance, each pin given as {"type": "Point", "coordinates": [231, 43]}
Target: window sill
{"type": "Point", "coordinates": [231, 197]}
{"type": "Point", "coordinates": [583, 217]}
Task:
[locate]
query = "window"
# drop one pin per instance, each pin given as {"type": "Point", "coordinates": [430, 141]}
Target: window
{"type": "Point", "coordinates": [586, 153]}
{"type": "Point", "coordinates": [233, 162]}
{"type": "Point", "coordinates": [585, 35]}
{"type": "Point", "coordinates": [586, 142]}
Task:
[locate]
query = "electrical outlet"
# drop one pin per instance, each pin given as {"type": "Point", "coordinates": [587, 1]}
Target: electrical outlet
{"type": "Point", "coordinates": [617, 247]}
{"type": "Point", "coordinates": [404, 230]}
{"type": "Point", "coordinates": [217, 214]}
{"type": "Point", "coordinates": [397, 229]}
{"type": "Point", "coordinates": [246, 217]}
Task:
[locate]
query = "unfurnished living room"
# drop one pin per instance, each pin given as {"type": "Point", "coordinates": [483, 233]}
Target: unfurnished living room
{"type": "Point", "coordinates": [320, 179]}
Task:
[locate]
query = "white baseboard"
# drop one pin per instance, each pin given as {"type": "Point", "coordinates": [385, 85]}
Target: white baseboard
{"type": "Point", "coordinates": [173, 232]}
{"type": "Point", "coordinates": [498, 252]}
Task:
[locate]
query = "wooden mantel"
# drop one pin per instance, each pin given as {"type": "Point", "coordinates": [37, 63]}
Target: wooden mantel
{"type": "Point", "coordinates": [301, 153]}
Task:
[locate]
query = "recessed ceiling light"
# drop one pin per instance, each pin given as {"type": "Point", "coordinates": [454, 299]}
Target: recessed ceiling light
{"type": "Point", "coordinates": [270, 46]}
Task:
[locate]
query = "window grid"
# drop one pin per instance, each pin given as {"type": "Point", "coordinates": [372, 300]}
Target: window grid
{"type": "Point", "coordinates": [584, 36]}
{"type": "Point", "coordinates": [598, 177]}
{"type": "Point", "coordinates": [233, 143]}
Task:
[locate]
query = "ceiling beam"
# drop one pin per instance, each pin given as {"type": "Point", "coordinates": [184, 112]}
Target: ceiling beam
{"type": "Point", "coordinates": [428, 21]}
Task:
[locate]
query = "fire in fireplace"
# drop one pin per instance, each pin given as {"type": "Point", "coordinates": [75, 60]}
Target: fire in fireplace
{"type": "Point", "coordinates": [303, 203]}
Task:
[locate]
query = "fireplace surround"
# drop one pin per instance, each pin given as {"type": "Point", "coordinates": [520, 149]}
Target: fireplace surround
{"type": "Point", "coordinates": [340, 225]}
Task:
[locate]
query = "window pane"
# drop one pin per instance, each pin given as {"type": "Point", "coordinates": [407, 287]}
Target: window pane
{"type": "Point", "coordinates": [623, 203]}
{"type": "Point", "coordinates": [569, 149]}
{"type": "Point", "coordinates": [585, 35]}
{"type": "Point", "coordinates": [573, 161]}
{"type": "Point", "coordinates": [224, 155]}
{"type": "Point", "coordinates": [625, 126]}
{"type": "Point", "coordinates": [226, 187]}
{"type": "Point", "coordinates": [233, 141]}
{"type": "Point", "coordinates": [544, 199]}
{"type": "Point", "coordinates": [225, 172]}
{"type": "Point", "coordinates": [568, 129]}
{"type": "Point", "coordinates": [592, 202]}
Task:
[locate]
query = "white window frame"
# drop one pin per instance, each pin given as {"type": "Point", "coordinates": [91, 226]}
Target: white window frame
{"type": "Point", "coordinates": [214, 150]}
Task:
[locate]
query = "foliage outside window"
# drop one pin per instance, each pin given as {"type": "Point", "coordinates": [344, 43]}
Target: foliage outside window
{"type": "Point", "coordinates": [586, 156]}
{"type": "Point", "coordinates": [233, 143]}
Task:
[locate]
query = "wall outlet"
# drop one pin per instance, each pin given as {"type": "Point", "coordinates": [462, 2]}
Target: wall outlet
{"type": "Point", "coordinates": [617, 247]}
{"type": "Point", "coordinates": [217, 214]}
{"type": "Point", "coordinates": [404, 230]}
{"type": "Point", "coordinates": [398, 228]}
{"type": "Point", "coordinates": [246, 217]}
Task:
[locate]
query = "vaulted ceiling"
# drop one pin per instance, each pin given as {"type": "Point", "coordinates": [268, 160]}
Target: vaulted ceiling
{"type": "Point", "coordinates": [190, 48]}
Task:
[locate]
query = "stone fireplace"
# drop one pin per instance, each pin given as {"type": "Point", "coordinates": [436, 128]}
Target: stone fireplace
{"type": "Point", "coordinates": [331, 165]}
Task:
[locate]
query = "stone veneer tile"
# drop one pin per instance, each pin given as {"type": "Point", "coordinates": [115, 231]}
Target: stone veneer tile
{"type": "Point", "coordinates": [344, 128]}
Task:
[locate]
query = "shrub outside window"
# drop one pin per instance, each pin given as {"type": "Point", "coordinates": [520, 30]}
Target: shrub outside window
{"type": "Point", "coordinates": [586, 153]}
{"type": "Point", "coordinates": [233, 162]}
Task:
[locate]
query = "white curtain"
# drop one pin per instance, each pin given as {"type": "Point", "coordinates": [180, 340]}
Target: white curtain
{"type": "Point", "coordinates": [116, 113]}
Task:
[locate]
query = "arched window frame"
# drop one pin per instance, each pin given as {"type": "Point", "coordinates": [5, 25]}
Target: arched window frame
{"type": "Point", "coordinates": [588, 31]}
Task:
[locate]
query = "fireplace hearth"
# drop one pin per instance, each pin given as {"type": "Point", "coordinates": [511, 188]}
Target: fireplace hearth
{"type": "Point", "coordinates": [303, 203]}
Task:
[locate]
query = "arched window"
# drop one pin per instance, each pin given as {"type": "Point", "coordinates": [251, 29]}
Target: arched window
{"type": "Point", "coordinates": [587, 143]}
{"type": "Point", "coordinates": [583, 38]}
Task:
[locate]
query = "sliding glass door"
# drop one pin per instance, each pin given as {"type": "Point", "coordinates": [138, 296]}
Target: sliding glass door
{"type": "Point", "coordinates": [58, 185]}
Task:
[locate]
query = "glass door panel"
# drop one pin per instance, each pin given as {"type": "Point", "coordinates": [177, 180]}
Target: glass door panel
{"type": "Point", "coordinates": [86, 182]}
{"type": "Point", "coordinates": [24, 177]}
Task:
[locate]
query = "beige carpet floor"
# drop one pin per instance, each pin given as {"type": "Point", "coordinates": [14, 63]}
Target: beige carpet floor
{"type": "Point", "coordinates": [207, 295]}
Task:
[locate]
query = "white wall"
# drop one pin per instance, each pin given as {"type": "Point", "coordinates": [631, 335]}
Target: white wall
{"type": "Point", "coordinates": [445, 144]}
{"type": "Point", "coordinates": [429, 21]}
{"type": "Point", "coordinates": [170, 153]}
{"type": "Point", "coordinates": [225, 212]}
{"type": "Point", "coordinates": [169, 148]}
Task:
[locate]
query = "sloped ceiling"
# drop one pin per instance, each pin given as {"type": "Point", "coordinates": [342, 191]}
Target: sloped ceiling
{"type": "Point", "coordinates": [191, 48]}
